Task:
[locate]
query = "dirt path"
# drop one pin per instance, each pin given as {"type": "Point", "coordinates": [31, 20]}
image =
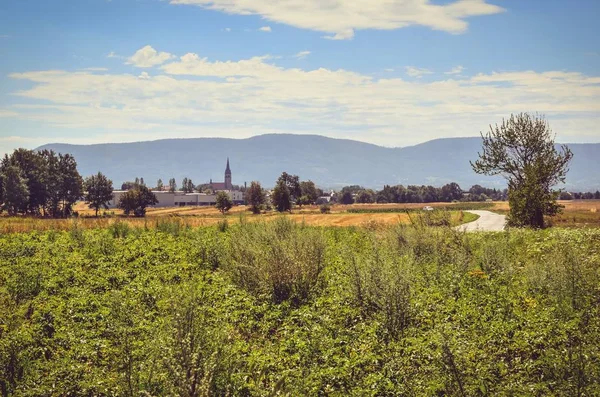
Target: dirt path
{"type": "Point", "coordinates": [487, 222]}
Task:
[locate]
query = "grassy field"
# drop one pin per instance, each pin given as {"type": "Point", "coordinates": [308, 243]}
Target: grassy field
{"type": "Point", "coordinates": [207, 216]}
{"type": "Point", "coordinates": [577, 213]}
{"type": "Point", "coordinates": [282, 308]}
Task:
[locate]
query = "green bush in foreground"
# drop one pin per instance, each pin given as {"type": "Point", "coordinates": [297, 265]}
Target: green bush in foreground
{"type": "Point", "coordinates": [279, 308]}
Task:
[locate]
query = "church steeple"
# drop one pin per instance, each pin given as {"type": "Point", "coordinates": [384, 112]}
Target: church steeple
{"type": "Point", "coordinates": [228, 185]}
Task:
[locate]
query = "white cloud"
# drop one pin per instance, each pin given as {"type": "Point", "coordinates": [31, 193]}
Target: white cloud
{"type": "Point", "coordinates": [144, 76]}
{"type": "Point", "coordinates": [265, 29]}
{"type": "Point", "coordinates": [455, 70]}
{"type": "Point", "coordinates": [112, 55]}
{"type": "Point", "coordinates": [342, 18]}
{"type": "Point", "coordinates": [4, 36]}
{"type": "Point", "coordinates": [245, 97]}
{"type": "Point", "coordinates": [302, 54]}
{"type": "Point", "coordinates": [95, 69]}
{"type": "Point", "coordinates": [148, 57]}
{"type": "Point", "coordinates": [417, 72]}
{"type": "Point", "coordinates": [227, 29]}
{"type": "Point", "coordinates": [389, 70]}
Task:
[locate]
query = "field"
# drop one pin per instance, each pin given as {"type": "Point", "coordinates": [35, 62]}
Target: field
{"type": "Point", "coordinates": [576, 213]}
{"type": "Point", "coordinates": [282, 308]}
{"type": "Point", "coordinates": [341, 215]}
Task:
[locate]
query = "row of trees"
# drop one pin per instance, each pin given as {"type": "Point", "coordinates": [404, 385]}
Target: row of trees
{"type": "Point", "coordinates": [416, 194]}
{"type": "Point", "coordinates": [39, 183]}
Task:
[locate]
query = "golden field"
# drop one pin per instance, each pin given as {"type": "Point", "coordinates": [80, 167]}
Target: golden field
{"type": "Point", "coordinates": [577, 213]}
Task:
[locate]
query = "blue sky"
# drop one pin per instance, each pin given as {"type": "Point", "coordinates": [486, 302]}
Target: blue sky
{"type": "Point", "coordinates": [390, 72]}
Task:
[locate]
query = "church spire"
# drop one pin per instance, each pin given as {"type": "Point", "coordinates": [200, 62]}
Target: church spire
{"type": "Point", "coordinates": [227, 170]}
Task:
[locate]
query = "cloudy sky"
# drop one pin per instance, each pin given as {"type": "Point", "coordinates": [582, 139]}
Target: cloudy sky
{"type": "Point", "coordinates": [390, 72]}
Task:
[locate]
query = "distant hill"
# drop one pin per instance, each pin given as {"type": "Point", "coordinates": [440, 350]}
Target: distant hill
{"type": "Point", "coordinates": [328, 162]}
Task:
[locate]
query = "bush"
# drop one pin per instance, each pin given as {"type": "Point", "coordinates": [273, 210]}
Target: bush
{"type": "Point", "coordinates": [279, 259]}
{"type": "Point", "coordinates": [325, 209]}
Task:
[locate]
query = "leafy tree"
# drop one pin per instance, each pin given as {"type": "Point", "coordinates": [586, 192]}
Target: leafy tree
{"type": "Point", "coordinates": [255, 197]}
{"type": "Point", "coordinates": [99, 191]}
{"type": "Point", "coordinates": [184, 185]}
{"type": "Point", "coordinates": [346, 198]}
{"type": "Point", "coordinates": [365, 197]}
{"type": "Point", "coordinates": [172, 185]}
{"type": "Point", "coordinates": [309, 192]}
{"type": "Point", "coordinates": [224, 203]}
{"type": "Point", "coordinates": [142, 182]}
{"type": "Point", "coordinates": [159, 185]}
{"type": "Point", "coordinates": [281, 197]}
{"type": "Point", "coordinates": [451, 192]}
{"type": "Point", "coordinates": [71, 183]}
{"type": "Point", "coordinates": [34, 171]}
{"type": "Point", "coordinates": [522, 150]}
{"type": "Point", "coordinates": [16, 192]}
{"type": "Point", "coordinates": [136, 200]}
{"type": "Point", "coordinates": [190, 186]}
{"type": "Point", "coordinates": [293, 184]}
{"type": "Point", "coordinates": [597, 195]}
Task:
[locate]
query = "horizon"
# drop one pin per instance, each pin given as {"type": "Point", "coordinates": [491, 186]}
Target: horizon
{"type": "Point", "coordinates": [394, 74]}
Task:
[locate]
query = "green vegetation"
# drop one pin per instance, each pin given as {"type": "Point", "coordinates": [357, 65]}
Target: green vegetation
{"type": "Point", "coordinates": [255, 197]}
{"type": "Point", "coordinates": [98, 190]}
{"type": "Point", "coordinates": [449, 207]}
{"type": "Point", "coordinates": [522, 150]}
{"type": "Point", "coordinates": [39, 183]}
{"type": "Point", "coordinates": [281, 308]}
{"type": "Point", "coordinates": [137, 200]}
{"type": "Point", "coordinates": [223, 202]}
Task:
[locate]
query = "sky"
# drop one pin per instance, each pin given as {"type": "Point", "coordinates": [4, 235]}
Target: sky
{"type": "Point", "coordinates": [389, 72]}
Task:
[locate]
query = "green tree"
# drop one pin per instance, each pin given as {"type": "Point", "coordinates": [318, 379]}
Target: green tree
{"type": "Point", "coordinates": [136, 200]}
{"type": "Point", "coordinates": [346, 198]}
{"type": "Point", "coordinates": [365, 197]}
{"type": "Point", "coordinates": [159, 185]}
{"type": "Point", "coordinates": [16, 192]}
{"type": "Point", "coordinates": [522, 150]}
{"type": "Point", "coordinates": [281, 197]}
{"type": "Point", "coordinates": [255, 197]}
{"type": "Point", "coordinates": [172, 185]}
{"type": "Point", "coordinates": [309, 192]}
{"type": "Point", "coordinates": [71, 183]}
{"type": "Point", "coordinates": [98, 191]}
{"type": "Point", "coordinates": [223, 202]}
{"type": "Point", "coordinates": [184, 185]}
{"type": "Point", "coordinates": [33, 169]}
{"type": "Point", "coordinates": [293, 184]}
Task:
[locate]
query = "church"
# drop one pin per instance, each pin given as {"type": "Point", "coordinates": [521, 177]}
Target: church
{"type": "Point", "coordinates": [227, 185]}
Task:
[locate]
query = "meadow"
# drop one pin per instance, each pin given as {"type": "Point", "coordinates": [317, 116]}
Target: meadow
{"type": "Point", "coordinates": [283, 308]}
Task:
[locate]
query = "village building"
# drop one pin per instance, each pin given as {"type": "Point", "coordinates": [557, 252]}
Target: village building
{"type": "Point", "coordinates": [180, 198]}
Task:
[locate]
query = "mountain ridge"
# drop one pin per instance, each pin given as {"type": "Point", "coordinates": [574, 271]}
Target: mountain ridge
{"type": "Point", "coordinates": [329, 162]}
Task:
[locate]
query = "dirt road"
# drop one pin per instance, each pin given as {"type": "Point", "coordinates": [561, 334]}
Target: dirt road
{"type": "Point", "coordinates": [487, 222]}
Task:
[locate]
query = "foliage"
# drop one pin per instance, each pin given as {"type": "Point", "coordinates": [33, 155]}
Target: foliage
{"type": "Point", "coordinates": [285, 309]}
{"type": "Point", "coordinates": [281, 197]}
{"type": "Point", "coordinates": [448, 207]}
{"type": "Point", "coordinates": [346, 198]}
{"type": "Point", "coordinates": [136, 200]}
{"type": "Point", "coordinates": [325, 208]}
{"type": "Point", "coordinates": [255, 197]}
{"type": "Point", "coordinates": [52, 182]}
{"type": "Point", "coordinates": [15, 189]}
{"type": "Point", "coordinates": [223, 202]}
{"type": "Point", "coordinates": [522, 150]}
{"type": "Point", "coordinates": [309, 193]}
{"type": "Point", "coordinates": [98, 191]}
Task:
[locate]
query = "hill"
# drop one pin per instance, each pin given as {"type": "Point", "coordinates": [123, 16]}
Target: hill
{"type": "Point", "coordinates": [328, 162]}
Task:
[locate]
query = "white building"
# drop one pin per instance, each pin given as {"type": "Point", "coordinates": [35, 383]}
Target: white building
{"type": "Point", "coordinates": [180, 199]}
